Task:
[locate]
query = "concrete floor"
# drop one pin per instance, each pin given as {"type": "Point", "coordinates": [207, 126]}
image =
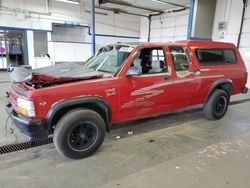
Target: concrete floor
{"type": "Point", "coordinates": [175, 150]}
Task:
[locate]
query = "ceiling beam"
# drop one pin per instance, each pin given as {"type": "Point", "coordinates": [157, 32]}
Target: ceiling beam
{"type": "Point", "coordinates": [132, 6]}
{"type": "Point", "coordinates": [120, 11]}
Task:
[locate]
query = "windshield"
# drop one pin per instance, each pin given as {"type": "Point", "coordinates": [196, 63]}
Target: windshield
{"type": "Point", "coordinates": [109, 58]}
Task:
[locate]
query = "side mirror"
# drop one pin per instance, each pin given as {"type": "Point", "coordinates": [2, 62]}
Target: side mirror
{"type": "Point", "coordinates": [134, 71]}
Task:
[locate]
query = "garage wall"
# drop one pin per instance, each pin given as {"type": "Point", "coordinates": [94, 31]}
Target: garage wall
{"type": "Point", "coordinates": [245, 41]}
{"type": "Point", "coordinates": [35, 15]}
{"type": "Point", "coordinates": [168, 27]}
{"type": "Point", "coordinates": [230, 12]}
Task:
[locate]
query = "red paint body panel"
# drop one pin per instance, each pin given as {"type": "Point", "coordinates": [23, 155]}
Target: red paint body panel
{"type": "Point", "coordinates": [138, 96]}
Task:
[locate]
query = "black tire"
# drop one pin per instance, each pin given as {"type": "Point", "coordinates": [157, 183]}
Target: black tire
{"type": "Point", "coordinates": [79, 133]}
{"type": "Point", "coordinates": [217, 105]}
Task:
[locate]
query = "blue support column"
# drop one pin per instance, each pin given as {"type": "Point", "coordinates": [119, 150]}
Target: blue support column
{"type": "Point", "coordinates": [93, 25]}
{"type": "Point", "coordinates": [26, 47]}
{"type": "Point", "coordinates": [190, 19]}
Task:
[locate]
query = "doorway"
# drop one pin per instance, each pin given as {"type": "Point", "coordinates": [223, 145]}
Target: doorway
{"type": "Point", "coordinates": [12, 48]}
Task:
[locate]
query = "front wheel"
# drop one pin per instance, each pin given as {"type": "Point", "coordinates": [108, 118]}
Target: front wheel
{"type": "Point", "coordinates": [79, 133]}
{"type": "Point", "coordinates": [217, 105]}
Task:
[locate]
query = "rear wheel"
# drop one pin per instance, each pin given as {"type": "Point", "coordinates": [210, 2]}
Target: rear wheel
{"type": "Point", "coordinates": [79, 133]}
{"type": "Point", "coordinates": [217, 105]}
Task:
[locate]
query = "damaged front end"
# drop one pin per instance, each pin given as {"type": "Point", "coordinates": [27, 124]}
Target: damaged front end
{"type": "Point", "coordinates": [53, 75]}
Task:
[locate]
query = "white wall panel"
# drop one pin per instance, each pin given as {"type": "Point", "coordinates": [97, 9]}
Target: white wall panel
{"type": "Point", "coordinates": [3, 63]}
{"type": "Point", "coordinates": [168, 39]}
{"type": "Point", "coordinates": [102, 40]}
{"type": "Point", "coordinates": [67, 10]}
{"type": "Point", "coordinates": [169, 27]}
{"type": "Point", "coordinates": [41, 62]}
{"type": "Point", "coordinates": [168, 22]}
{"type": "Point", "coordinates": [82, 52]}
{"type": "Point", "coordinates": [156, 33]}
{"type": "Point", "coordinates": [13, 4]}
{"type": "Point", "coordinates": [168, 32]}
{"type": "Point", "coordinates": [144, 25]}
{"type": "Point", "coordinates": [68, 34]}
{"type": "Point", "coordinates": [180, 31]}
{"type": "Point", "coordinates": [125, 17]}
{"type": "Point", "coordinates": [117, 24]}
{"type": "Point", "coordinates": [245, 52]}
{"type": "Point", "coordinates": [31, 52]}
{"type": "Point", "coordinates": [155, 24]}
{"type": "Point", "coordinates": [156, 39]}
{"type": "Point", "coordinates": [227, 38]}
{"type": "Point", "coordinates": [182, 20]}
{"type": "Point", "coordinates": [125, 32]}
{"type": "Point", "coordinates": [103, 28]}
{"type": "Point", "coordinates": [234, 17]}
{"type": "Point", "coordinates": [107, 23]}
{"type": "Point", "coordinates": [220, 14]}
{"type": "Point", "coordinates": [247, 15]}
{"type": "Point", "coordinates": [128, 25]}
{"type": "Point", "coordinates": [245, 40]}
{"type": "Point", "coordinates": [246, 27]}
{"type": "Point", "coordinates": [180, 38]}
{"type": "Point", "coordinates": [230, 11]}
{"type": "Point", "coordinates": [70, 52]}
{"type": "Point", "coordinates": [13, 21]}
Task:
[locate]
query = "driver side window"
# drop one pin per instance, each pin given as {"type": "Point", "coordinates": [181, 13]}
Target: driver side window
{"type": "Point", "coordinates": [151, 61]}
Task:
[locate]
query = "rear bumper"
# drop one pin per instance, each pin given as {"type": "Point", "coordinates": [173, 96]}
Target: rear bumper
{"type": "Point", "coordinates": [32, 129]}
{"type": "Point", "coordinates": [245, 90]}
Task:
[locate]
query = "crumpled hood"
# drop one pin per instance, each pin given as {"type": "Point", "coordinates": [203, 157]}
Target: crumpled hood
{"type": "Point", "coordinates": [64, 72]}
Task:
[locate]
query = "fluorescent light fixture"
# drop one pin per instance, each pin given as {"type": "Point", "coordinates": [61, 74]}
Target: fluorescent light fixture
{"type": "Point", "coordinates": [68, 1]}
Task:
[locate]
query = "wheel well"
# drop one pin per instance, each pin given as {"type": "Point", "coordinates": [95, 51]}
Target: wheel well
{"type": "Point", "coordinates": [226, 86]}
{"type": "Point", "coordinates": [91, 106]}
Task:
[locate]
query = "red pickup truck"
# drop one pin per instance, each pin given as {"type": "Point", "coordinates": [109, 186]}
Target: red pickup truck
{"type": "Point", "coordinates": [78, 103]}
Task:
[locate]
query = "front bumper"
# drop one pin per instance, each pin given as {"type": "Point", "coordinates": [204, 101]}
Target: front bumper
{"type": "Point", "coordinates": [32, 129]}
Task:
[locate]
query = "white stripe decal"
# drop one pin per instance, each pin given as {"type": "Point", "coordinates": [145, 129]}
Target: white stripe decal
{"type": "Point", "coordinates": [152, 91]}
{"type": "Point", "coordinates": [197, 78]}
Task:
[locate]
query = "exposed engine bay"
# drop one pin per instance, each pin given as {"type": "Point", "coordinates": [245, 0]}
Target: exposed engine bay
{"type": "Point", "coordinates": [52, 75]}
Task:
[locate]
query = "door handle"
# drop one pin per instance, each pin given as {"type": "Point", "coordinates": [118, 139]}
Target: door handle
{"type": "Point", "coordinates": [166, 77]}
{"type": "Point", "coordinates": [197, 71]}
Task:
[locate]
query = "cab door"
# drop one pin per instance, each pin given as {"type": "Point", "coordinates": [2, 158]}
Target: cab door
{"type": "Point", "coordinates": [149, 92]}
{"type": "Point", "coordinates": [184, 78]}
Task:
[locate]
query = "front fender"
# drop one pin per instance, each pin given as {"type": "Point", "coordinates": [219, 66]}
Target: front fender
{"type": "Point", "coordinates": [99, 103]}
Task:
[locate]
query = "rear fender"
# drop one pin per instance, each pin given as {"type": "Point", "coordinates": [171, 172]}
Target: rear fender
{"type": "Point", "coordinates": [225, 84]}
